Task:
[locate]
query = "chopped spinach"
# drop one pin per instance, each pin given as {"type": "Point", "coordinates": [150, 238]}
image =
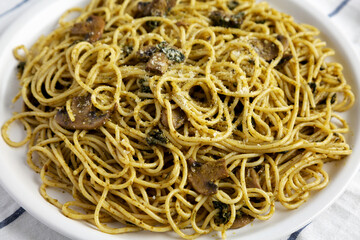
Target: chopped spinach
{"type": "Point", "coordinates": [156, 137]}
{"type": "Point", "coordinates": [144, 86]}
{"type": "Point", "coordinates": [224, 212]}
{"type": "Point", "coordinates": [145, 89]}
{"type": "Point", "coordinates": [127, 50]}
{"type": "Point", "coordinates": [162, 45]}
{"type": "Point", "coordinates": [174, 55]}
{"type": "Point", "coordinates": [151, 25]}
{"type": "Point", "coordinates": [171, 53]}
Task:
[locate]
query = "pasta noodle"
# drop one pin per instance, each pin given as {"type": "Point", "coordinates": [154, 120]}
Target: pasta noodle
{"type": "Point", "coordinates": [175, 115]}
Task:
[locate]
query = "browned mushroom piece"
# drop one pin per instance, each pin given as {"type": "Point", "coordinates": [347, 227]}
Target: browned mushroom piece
{"type": "Point", "coordinates": [182, 23]}
{"type": "Point", "coordinates": [252, 179]}
{"type": "Point", "coordinates": [143, 9]}
{"type": "Point", "coordinates": [87, 117]}
{"type": "Point", "coordinates": [159, 57]}
{"type": "Point", "coordinates": [171, 4]}
{"type": "Point", "coordinates": [222, 19]}
{"type": "Point", "coordinates": [158, 63]}
{"type": "Point", "coordinates": [202, 175]}
{"type": "Point", "coordinates": [92, 29]}
{"type": "Point", "coordinates": [287, 56]}
{"type": "Point", "coordinates": [284, 41]}
{"type": "Point", "coordinates": [178, 118]}
{"type": "Point", "coordinates": [267, 49]}
{"type": "Point", "coordinates": [285, 59]}
{"type": "Point", "coordinates": [242, 221]}
{"type": "Point", "coordinates": [155, 8]}
{"type": "Point", "coordinates": [158, 8]}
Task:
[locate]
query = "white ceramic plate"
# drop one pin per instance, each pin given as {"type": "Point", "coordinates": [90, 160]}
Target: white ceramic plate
{"type": "Point", "coordinates": [23, 184]}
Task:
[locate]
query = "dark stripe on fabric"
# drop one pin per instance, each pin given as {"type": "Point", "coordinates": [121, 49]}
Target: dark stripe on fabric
{"type": "Point", "coordinates": [339, 8]}
{"type": "Point", "coordinates": [12, 217]}
{"type": "Point", "coordinates": [294, 235]}
{"type": "Point", "coordinates": [13, 8]}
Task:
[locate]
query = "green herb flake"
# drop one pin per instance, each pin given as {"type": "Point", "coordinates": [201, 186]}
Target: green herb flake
{"type": "Point", "coordinates": [144, 86]}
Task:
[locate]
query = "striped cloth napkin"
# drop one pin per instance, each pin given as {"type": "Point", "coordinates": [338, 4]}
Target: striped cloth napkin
{"type": "Point", "coordinates": [340, 221]}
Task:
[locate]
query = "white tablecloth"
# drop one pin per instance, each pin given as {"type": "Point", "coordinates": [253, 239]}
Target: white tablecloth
{"type": "Point", "coordinates": [340, 221]}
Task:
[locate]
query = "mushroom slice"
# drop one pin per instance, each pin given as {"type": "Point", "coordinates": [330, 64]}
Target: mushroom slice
{"type": "Point", "coordinates": [158, 7]}
{"type": "Point", "coordinates": [159, 57]}
{"type": "Point", "coordinates": [171, 4]}
{"type": "Point", "coordinates": [158, 63]}
{"type": "Point", "coordinates": [86, 116]}
{"type": "Point", "coordinates": [284, 41]}
{"type": "Point", "coordinates": [154, 8]}
{"type": "Point", "coordinates": [267, 49]}
{"type": "Point", "coordinates": [178, 118]}
{"type": "Point", "coordinates": [143, 9]}
{"type": "Point", "coordinates": [242, 220]}
{"type": "Point", "coordinates": [202, 175]}
{"type": "Point", "coordinates": [252, 179]}
{"type": "Point", "coordinates": [222, 19]}
{"type": "Point", "coordinates": [182, 23]}
{"type": "Point", "coordinates": [285, 59]}
{"type": "Point", "coordinates": [92, 29]}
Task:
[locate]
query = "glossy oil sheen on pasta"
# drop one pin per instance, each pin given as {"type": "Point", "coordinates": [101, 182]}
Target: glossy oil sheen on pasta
{"type": "Point", "coordinates": [169, 115]}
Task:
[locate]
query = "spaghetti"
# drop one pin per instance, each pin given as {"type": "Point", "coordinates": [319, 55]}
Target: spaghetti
{"type": "Point", "coordinates": [169, 115]}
